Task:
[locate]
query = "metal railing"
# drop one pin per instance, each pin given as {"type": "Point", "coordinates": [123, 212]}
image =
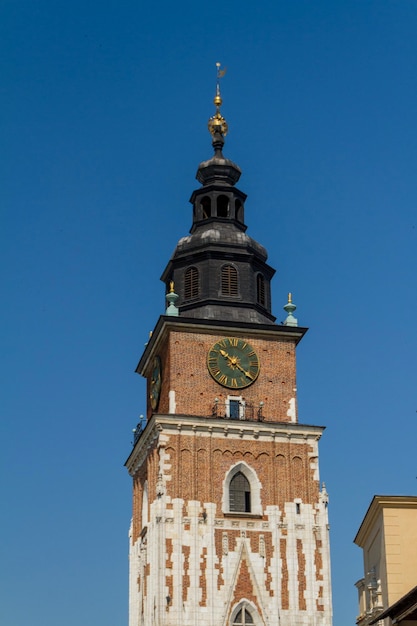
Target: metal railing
{"type": "Point", "coordinates": [238, 410]}
{"type": "Point", "coordinates": [140, 427]}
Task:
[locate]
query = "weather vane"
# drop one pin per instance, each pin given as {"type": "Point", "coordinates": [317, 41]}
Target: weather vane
{"type": "Point", "coordinates": [217, 123]}
{"type": "Point", "coordinates": [220, 74]}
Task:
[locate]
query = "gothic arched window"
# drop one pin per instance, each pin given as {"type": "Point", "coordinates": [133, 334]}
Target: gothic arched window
{"type": "Point", "coordinates": [241, 490]}
{"type": "Point", "coordinates": [229, 281]}
{"type": "Point", "coordinates": [242, 618]}
{"type": "Point", "coordinates": [239, 494]}
{"type": "Point", "coordinates": [191, 283]}
{"type": "Point", "coordinates": [260, 289]}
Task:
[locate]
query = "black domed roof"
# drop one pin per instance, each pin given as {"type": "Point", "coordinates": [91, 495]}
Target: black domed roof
{"type": "Point", "coordinates": [218, 233]}
{"type": "Point", "coordinates": [218, 170]}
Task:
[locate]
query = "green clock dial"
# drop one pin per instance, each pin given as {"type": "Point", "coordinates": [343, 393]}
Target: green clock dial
{"type": "Point", "coordinates": [156, 383]}
{"type": "Point", "coordinates": [233, 363]}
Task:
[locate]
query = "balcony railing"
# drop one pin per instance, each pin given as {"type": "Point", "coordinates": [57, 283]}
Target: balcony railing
{"type": "Point", "coordinates": [139, 429]}
{"type": "Point", "coordinates": [238, 410]}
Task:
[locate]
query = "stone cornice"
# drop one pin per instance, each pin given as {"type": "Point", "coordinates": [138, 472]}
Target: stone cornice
{"type": "Point", "coordinates": [140, 450]}
{"type": "Point", "coordinates": [166, 324]}
{"type": "Point", "coordinates": [217, 427]}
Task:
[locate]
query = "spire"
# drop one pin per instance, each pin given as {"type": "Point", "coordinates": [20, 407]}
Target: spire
{"type": "Point", "coordinates": [217, 125]}
{"type": "Point", "coordinates": [220, 273]}
{"type": "Point", "coordinates": [218, 170]}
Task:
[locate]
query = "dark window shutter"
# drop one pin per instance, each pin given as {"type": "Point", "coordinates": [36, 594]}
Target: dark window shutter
{"type": "Point", "coordinates": [239, 493]}
{"type": "Point", "coordinates": [191, 284]}
{"type": "Point", "coordinates": [229, 278]}
{"type": "Point", "coordinates": [260, 289]}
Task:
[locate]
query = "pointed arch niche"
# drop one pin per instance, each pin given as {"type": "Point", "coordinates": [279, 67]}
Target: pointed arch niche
{"type": "Point", "coordinates": [145, 505]}
{"type": "Point", "coordinates": [254, 485]}
{"type": "Point", "coordinates": [245, 614]}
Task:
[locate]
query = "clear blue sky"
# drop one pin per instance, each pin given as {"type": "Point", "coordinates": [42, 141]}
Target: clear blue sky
{"type": "Point", "coordinates": [103, 123]}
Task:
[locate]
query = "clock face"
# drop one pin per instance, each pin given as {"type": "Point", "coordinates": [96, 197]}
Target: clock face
{"type": "Point", "coordinates": [156, 382]}
{"type": "Point", "coordinates": [233, 363]}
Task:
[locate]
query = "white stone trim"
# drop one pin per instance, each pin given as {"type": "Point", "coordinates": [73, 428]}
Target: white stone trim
{"type": "Point", "coordinates": [241, 405]}
{"type": "Point", "coordinates": [172, 403]}
{"type": "Point", "coordinates": [292, 410]}
{"type": "Point", "coordinates": [244, 603]}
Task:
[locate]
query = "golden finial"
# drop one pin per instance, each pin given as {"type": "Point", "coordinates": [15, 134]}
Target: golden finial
{"type": "Point", "coordinates": [172, 297]}
{"type": "Point", "coordinates": [290, 298]}
{"type": "Point", "coordinates": [217, 123]}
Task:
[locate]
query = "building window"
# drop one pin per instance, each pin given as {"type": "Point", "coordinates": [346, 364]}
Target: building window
{"type": "Point", "coordinates": [229, 281]}
{"type": "Point", "coordinates": [206, 207]}
{"type": "Point", "coordinates": [260, 289]}
{"type": "Point", "coordinates": [239, 493]}
{"type": "Point", "coordinates": [222, 206]}
{"type": "Point", "coordinates": [191, 283]}
{"type": "Point", "coordinates": [242, 618]}
{"type": "Point", "coordinates": [242, 490]}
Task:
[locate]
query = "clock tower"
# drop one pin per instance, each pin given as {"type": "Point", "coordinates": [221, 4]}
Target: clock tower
{"type": "Point", "coordinates": [230, 522]}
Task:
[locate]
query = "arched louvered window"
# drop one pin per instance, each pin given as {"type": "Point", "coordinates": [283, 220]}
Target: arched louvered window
{"type": "Point", "coordinates": [230, 284]}
{"type": "Point", "coordinates": [239, 493]}
{"type": "Point", "coordinates": [260, 289]}
{"type": "Point", "coordinates": [242, 618]}
{"type": "Point", "coordinates": [191, 283]}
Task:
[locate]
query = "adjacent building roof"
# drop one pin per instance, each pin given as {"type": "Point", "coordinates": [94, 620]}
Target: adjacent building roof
{"type": "Point", "coordinates": [378, 503]}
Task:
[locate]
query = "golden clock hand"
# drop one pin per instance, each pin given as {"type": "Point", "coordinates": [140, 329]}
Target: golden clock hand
{"type": "Point", "coordinates": [248, 374]}
{"type": "Point", "coordinates": [232, 359]}
{"type": "Point", "coordinates": [226, 356]}
{"type": "Point", "coordinates": [234, 363]}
